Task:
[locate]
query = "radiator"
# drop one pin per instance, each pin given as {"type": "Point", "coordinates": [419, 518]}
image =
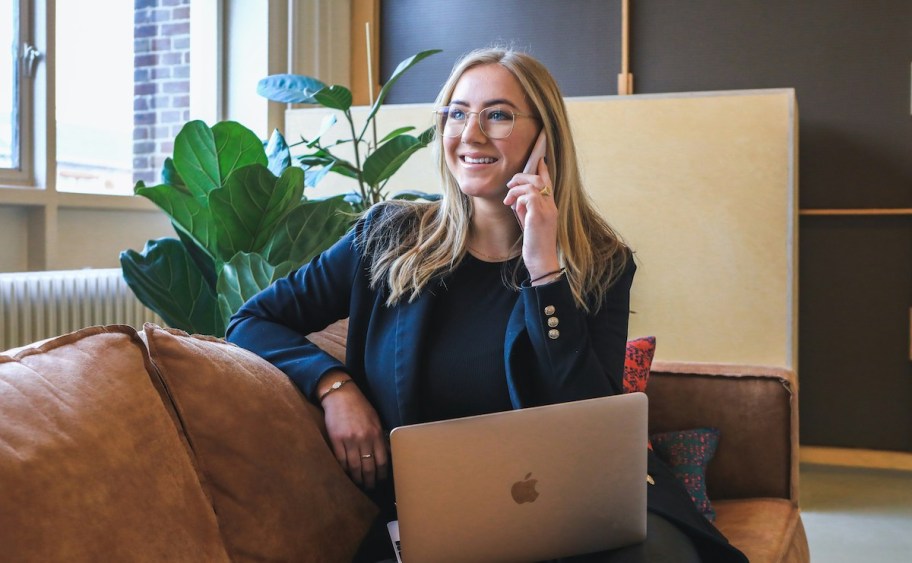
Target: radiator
{"type": "Point", "coordinates": [39, 305]}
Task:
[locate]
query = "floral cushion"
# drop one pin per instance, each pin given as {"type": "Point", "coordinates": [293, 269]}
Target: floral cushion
{"type": "Point", "coordinates": [688, 453]}
{"type": "Point", "coordinates": [637, 363]}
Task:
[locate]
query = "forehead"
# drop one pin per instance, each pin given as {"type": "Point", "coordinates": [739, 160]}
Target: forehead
{"type": "Point", "coordinates": [488, 82]}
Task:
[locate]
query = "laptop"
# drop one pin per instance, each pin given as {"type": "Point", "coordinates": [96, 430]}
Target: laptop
{"type": "Point", "coordinates": [522, 485]}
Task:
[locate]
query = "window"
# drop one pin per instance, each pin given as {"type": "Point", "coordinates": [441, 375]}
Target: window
{"type": "Point", "coordinates": [9, 91]}
{"type": "Point", "coordinates": [110, 85]}
{"type": "Point", "coordinates": [123, 91]}
{"type": "Point", "coordinates": [94, 103]}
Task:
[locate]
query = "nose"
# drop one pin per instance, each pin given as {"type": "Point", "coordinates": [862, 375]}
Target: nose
{"type": "Point", "coordinates": [472, 132]}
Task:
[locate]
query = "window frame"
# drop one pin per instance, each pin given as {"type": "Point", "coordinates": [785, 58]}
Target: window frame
{"type": "Point", "coordinates": [23, 174]}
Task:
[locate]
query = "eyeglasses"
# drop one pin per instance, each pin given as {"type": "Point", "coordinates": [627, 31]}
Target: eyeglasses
{"type": "Point", "coordinates": [495, 122]}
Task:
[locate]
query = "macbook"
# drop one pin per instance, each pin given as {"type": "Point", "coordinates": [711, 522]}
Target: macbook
{"type": "Point", "coordinates": [523, 485]}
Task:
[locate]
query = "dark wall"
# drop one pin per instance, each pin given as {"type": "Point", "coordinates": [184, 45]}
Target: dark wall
{"type": "Point", "coordinates": [578, 40]}
{"type": "Point", "coordinates": [849, 62]}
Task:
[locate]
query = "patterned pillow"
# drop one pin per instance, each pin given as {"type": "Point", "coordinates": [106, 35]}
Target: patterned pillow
{"type": "Point", "coordinates": [688, 452]}
{"type": "Point", "coordinates": [637, 363]}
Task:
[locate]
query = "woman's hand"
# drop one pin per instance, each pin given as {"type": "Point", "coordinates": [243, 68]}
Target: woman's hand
{"type": "Point", "coordinates": [537, 215]}
{"type": "Point", "coordinates": [356, 435]}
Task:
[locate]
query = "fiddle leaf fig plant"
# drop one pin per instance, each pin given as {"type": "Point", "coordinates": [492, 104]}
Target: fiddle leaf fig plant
{"type": "Point", "coordinates": [242, 221]}
{"type": "Point", "coordinates": [375, 162]}
{"type": "Point", "coordinates": [239, 209]}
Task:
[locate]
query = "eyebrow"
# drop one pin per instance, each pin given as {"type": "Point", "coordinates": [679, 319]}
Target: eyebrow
{"type": "Point", "coordinates": [487, 103]}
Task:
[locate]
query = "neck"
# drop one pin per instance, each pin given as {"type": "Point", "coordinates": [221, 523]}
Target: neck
{"type": "Point", "coordinates": [494, 231]}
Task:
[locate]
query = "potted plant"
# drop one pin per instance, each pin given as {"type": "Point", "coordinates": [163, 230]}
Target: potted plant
{"type": "Point", "coordinates": [240, 210]}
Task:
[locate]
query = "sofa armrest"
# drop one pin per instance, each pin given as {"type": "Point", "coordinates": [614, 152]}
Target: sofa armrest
{"type": "Point", "coordinates": [332, 339]}
{"type": "Point", "coordinates": [756, 411]}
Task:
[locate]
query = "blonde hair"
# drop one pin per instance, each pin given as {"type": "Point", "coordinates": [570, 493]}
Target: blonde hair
{"type": "Point", "coordinates": [411, 243]}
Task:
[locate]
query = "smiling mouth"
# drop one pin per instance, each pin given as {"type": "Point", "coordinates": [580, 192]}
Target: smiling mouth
{"type": "Point", "coordinates": [481, 160]}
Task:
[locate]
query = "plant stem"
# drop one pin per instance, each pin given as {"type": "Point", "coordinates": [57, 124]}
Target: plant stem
{"type": "Point", "coordinates": [351, 124]}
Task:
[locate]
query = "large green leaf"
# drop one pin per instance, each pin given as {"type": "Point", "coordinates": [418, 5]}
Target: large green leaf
{"type": "Point", "coordinates": [395, 133]}
{"type": "Point", "coordinates": [187, 213]}
{"type": "Point", "coordinates": [385, 161]}
{"type": "Point", "coordinates": [400, 70]}
{"type": "Point", "coordinates": [310, 229]}
{"type": "Point", "coordinates": [290, 88]}
{"type": "Point", "coordinates": [165, 279]}
{"type": "Point", "coordinates": [237, 147]}
{"type": "Point", "coordinates": [200, 257]}
{"type": "Point", "coordinates": [169, 174]}
{"type": "Point", "coordinates": [196, 159]}
{"type": "Point", "coordinates": [335, 97]}
{"type": "Point", "coordinates": [278, 153]}
{"type": "Point", "coordinates": [242, 277]}
{"type": "Point", "coordinates": [248, 209]}
{"type": "Point", "coordinates": [204, 158]}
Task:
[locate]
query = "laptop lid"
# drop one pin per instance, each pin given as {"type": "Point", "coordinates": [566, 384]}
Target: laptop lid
{"type": "Point", "coordinates": [523, 485]}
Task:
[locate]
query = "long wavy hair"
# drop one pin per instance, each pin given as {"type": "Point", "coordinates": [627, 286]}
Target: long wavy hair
{"type": "Point", "coordinates": [409, 244]}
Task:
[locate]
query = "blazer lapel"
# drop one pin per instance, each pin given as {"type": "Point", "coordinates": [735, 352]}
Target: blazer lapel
{"type": "Point", "coordinates": [412, 324]}
{"type": "Point", "coordinates": [516, 349]}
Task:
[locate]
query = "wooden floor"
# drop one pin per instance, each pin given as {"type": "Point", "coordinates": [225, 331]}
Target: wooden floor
{"type": "Point", "coordinates": [849, 457]}
{"type": "Point", "coordinates": [857, 514]}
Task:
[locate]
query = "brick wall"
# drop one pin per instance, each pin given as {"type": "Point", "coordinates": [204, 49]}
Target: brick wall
{"type": "Point", "coordinates": [161, 82]}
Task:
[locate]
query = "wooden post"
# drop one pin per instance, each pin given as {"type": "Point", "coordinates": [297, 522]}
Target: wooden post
{"type": "Point", "coordinates": [625, 78]}
{"type": "Point", "coordinates": [364, 12]}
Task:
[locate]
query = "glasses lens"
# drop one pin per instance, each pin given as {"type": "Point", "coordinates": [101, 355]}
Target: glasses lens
{"type": "Point", "coordinates": [450, 121]}
{"type": "Point", "coordinates": [497, 123]}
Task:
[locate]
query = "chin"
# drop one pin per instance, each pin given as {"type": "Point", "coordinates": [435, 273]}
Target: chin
{"type": "Point", "coordinates": [486, 191]}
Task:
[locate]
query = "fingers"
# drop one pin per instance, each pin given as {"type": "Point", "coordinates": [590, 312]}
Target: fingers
{"type": "Point", "coordinates": [374, 464]}
{"type": "Point", "coordinates": [356, 436]}
{"type": "Point", "coordinates": [370, 465]}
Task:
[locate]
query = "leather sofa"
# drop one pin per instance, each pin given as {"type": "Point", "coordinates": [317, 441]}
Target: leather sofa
{"type": "Point", "coordinates": [156, 445]}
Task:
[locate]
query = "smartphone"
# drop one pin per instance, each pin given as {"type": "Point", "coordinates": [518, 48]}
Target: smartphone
{"type": "Point", "coordinates": [539, 150]}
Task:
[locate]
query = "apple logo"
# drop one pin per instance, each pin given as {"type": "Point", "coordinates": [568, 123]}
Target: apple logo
{"type": "Point", "coordinates": [524, 491]}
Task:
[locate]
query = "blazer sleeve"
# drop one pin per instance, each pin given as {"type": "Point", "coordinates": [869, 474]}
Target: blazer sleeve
{"type": "Point", "coordinates": [578, 355]}
{"type": "Point", "coordinates": [275, 323]}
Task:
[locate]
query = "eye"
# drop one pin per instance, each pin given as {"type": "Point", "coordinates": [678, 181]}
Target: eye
{"type": "Point", "coordinates": [497, 114]}
{"type": "Point", "coordinates": [456, 114]}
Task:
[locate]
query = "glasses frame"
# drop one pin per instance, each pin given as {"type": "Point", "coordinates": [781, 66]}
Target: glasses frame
{"type": "Point", "coordinates": [443, 110]}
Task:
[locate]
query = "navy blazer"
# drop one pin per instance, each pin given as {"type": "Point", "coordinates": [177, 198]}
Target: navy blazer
{"type": "Point", "coordinates": [383, 351]}
{"type": "Point", "coordinates": [585, 360]}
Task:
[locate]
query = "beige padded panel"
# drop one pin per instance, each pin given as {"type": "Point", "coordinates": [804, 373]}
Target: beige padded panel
{"type": "Point", "coordinates": [703, 187]}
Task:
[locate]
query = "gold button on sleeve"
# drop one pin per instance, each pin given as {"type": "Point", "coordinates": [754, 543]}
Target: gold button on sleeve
{"type": "Point", "coordinates": [549, 310]}
{"type": "Point", "coordinates": [553, 334]}
{"type": "Point", "coordinates": [553, 322]}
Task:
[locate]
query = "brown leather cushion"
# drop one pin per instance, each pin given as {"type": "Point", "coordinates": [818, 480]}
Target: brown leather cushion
{"type": "Point", "coordinates": [278, 491]}
{"type": "Point", "coordinates": [753, 414]}
{"type": "Point", "coordinates": [764, 529]}
{"type": "Point", "coordinates": [91, 466]}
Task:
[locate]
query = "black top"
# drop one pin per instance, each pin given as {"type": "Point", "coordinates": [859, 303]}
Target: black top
{"type": "Point", "coordinates": [471, 308]}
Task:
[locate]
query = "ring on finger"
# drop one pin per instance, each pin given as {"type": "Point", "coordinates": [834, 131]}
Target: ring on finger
{"type": "Point", "coordinates": [546, 191]}
{"type": "Point", "coordinates": [367, 456]}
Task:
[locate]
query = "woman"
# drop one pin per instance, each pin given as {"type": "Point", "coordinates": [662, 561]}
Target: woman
{"type": "Point", "coordinates": [509, 292]}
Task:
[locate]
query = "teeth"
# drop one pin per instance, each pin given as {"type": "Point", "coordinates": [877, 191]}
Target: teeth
{"type": "Point", "coordinates": [482, 160]}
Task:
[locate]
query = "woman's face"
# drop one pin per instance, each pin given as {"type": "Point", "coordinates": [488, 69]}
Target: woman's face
{"type": "Point", "coordinates": [483, 166]}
